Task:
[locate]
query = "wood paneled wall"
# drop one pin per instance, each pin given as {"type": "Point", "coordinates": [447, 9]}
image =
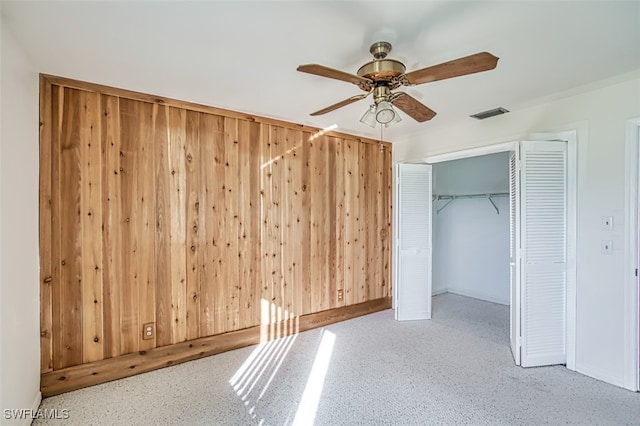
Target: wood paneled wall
{"type": "Point", "coordinates": [198, 220]}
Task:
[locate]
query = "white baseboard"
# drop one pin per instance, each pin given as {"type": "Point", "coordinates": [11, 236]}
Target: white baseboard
{"type": "Point", "coordinates": [34, 407]}
{"type": "Point", "coordinates": [437, 292]}
{"type": "Point", "coordinates": [37, 401]}
{"type": "Point", "coordinates": [478, 295]}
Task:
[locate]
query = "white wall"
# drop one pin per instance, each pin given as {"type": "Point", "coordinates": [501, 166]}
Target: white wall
{"type": "Point", "coordinates": [599, 115]}
{"type": "Point", "coordinates": [19, 262]}
{"type": "Point", "coordinates": [470, 240]}
{"type": "Point", "coordinates": [1, 222]}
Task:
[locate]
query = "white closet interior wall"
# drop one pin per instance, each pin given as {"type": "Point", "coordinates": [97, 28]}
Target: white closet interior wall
{"type": "Point", "coordinates": [470, 239]}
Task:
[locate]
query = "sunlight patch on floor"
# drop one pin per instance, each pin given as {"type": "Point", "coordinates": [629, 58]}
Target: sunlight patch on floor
{"type": "Point", "coordinates": [263, 362]}
{"type": "Point", "coordinates": [308, 407]}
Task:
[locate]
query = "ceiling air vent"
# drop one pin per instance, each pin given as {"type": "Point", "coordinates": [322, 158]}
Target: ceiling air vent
{"type": "Point", "coordinates": [489, 113]}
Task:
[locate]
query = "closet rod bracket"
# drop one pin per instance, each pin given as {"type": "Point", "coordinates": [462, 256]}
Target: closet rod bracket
{"type": "Point", "coordinates": [494, 204]}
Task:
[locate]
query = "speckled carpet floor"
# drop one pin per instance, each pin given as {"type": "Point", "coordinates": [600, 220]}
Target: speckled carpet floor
{"type": "Point", "coordinates": [454, 369]}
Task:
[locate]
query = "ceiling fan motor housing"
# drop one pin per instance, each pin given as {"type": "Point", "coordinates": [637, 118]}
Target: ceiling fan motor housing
{"type": "Point", "coordinates": [383, 70]}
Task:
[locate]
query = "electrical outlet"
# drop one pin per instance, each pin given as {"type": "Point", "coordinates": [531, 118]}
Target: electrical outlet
{"type": "Point", "coordinates": [148, 331]}
{"type": "Point", "coordinates": [340, 295]}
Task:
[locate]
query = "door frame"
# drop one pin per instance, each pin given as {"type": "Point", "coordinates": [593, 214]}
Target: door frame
{"type": "Point", "coordinates": [569, 136]}
{"type": "Point", "coordinates": [632, 252]}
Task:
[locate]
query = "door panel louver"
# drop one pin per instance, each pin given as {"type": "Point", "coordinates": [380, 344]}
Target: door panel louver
{"type": "Point", "coordinates": [544, 225]}
{"type": "Point", "coordinates": [415, 228]}
{"type": "Point", "coordinates": [545, 317]}
{"type": "Point", "coordinates": [545, 184]}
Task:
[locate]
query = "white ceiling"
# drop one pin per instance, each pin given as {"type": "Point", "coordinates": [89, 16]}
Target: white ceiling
{"type": "Point", "coordinates": [243, 55]}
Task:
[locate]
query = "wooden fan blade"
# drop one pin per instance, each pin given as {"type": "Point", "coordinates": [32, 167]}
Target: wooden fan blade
{"type": "Point", "coordinates": [412, 107]}
{"type": "Point", "coordinates": [483, 61]}
{"type": "Point", "coordinates": [340, 104]}
{"type": "Point", "coordinates": [323, 71]}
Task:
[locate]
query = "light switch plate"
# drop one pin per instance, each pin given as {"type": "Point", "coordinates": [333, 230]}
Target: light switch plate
{"type": "Point", "coordinates": [607, 223]}
{"type": "Point", "coordinates": [607, 247]}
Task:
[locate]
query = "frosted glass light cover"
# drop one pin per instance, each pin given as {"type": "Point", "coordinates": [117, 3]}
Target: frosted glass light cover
{"type": "Point", "coordinates": [385, 113]}
{"type": "Point", "coordinates": [395, 120]}
{"type": "Point", "coordinates": [369, 117]}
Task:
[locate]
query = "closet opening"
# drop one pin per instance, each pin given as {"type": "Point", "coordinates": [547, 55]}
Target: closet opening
{"type": "Point", "coordinates": [471, 242]}
{"type": "Point", "coordinates": [540, 239]}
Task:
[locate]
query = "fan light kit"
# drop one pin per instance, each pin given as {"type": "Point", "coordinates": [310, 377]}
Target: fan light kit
{"type": "Point", "coordinates": [382, 75]}
{"type": "Point", "coordinates": [382, 113]}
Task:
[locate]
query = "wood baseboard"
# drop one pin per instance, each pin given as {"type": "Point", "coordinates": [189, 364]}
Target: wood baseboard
{"type": "Point", "coordinates": [81, 376]}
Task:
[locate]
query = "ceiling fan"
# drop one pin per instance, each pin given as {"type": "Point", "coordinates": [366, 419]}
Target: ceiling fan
{"type": "Point", "coordinates": [382, 75]}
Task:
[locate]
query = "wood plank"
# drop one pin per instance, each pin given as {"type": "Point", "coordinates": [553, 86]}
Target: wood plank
{"type": "Point", "coordinates": [377, 164]}
{"type": "Point", "coordinates": [305, 224]}
{"type": "Point", "coordinates": [297, 214]}
{"type": "Point", "coordinates": [66, 380]}
{"type": "Point", "coordinates": [368, 221]}
{"type": "Point", "coordinates": [146, 207]}
{"type": "Point", "coordinates": [57, 116]}
{"type": "Point", "coordinates": [330, 225]}
{"type": "Point", "coordinates": [275, 243]}
{"type": "Point", "coordinates": [70, 229]}
{"type": "Point", "coordinates": [265, 261]}
{"type": "Point", "coordinates": [316, 216]}
{"type": "Point", "coordinates": [351, 210]}
{"type": "Point", "coordinates": [268, 311]}
{"type": "Point", "coordinates": [209, 263]}
{"type": "Point", "coordinates": [162, 242]}
{"type": "Point", "coordinates": [286, 187]}
{"type": "Point", "coordinates": [195, 216]}
{"type": "Point", "coordinates": [290, 241]}
{"type": "Point", "coordinates": [231, 203]}
{"type": "Point", "coordinates": [245, 227]}
{"type": "Point", "coordinates": [112, 217]}
{"type": "Point", "coordinates": [364, 223]}
{"type": "Point", "coordinates": [219, 228]}
{"type": "Point", "coordinates": [256, 135]}
{"type": "Point", "coordinates": [361, 248]}
{"type": "Point", "coordinates": [388, 210]}
{"type": "Point", "coordinates": [177, 201]}
{"type": "Point", "coordinates": [339, 226]}
{"type": "Point", "coordinates": [45, 228]}
{"type": "Point", "coordinates": [325, 223]}
{"type": "Point", "coordinates": [91, 227]}
{"type": "Point", "coordinates": [129, 226]}
{"type": "Point", "coordinates": [278, 147]}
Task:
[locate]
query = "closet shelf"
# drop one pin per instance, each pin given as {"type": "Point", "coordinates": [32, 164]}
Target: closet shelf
{"type": "Point", "coordinates": [451, 198]}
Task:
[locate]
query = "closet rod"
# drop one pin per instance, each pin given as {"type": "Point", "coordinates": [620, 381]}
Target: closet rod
{"type": "Point", "coordinates": [451, 198]}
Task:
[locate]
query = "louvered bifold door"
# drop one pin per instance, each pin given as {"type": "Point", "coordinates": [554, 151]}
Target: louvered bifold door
{"type": "Point", "coordinates": [514, 254]}
{"type": "Point", "coordinates": [413, 243]}
{"type": "Point", "coordinates": [544, 265]}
